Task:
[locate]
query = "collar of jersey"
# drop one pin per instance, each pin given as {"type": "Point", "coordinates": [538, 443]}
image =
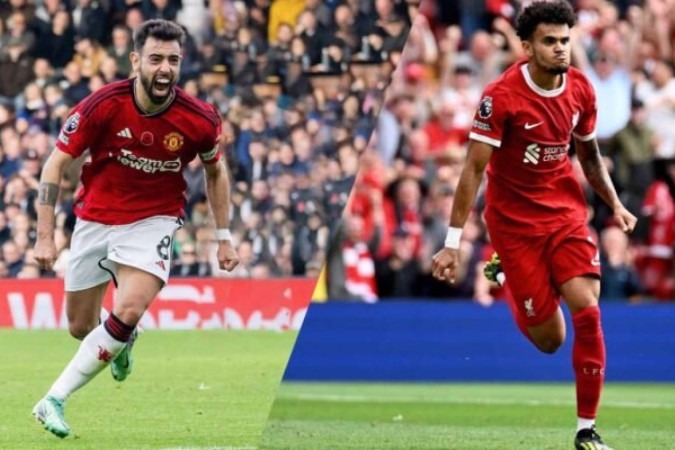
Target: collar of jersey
{"type": "Point", "coordinates": [156, 113]}
{"type": "Point", "coordinates": [543, 92]}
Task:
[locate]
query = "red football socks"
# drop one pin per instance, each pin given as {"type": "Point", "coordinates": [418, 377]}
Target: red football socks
{"type": "Point", "coordinates": [588, 360]}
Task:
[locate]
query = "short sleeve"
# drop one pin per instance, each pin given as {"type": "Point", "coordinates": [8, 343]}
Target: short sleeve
{"type": "Point", "coordinates": [584, 130]}
{"type": "Point", "coordinates": [79, 130]}
{"type": "Point", "coordinates": [210, 153]}
{"type": "Point", "coordinates": [490, 117]}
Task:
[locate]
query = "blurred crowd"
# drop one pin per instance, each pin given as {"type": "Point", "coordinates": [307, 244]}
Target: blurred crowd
{"type": "Point", "coordinates": [298, 84]}
{"type": "Point", "coordinates": [398, 214]}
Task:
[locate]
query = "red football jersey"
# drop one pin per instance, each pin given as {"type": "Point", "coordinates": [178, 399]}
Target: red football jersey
{"type": "Point", "coordinates": [137, 159]}
{"type": "Point", "coordinates": [531, 186]}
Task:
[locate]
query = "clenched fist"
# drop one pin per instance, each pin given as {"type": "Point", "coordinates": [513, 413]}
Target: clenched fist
{"type": "Point", "coordinates": [444, 264]}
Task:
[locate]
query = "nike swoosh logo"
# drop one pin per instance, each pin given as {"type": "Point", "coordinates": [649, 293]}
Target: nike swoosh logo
{"type": "Point", "coordinates": [529, 127]}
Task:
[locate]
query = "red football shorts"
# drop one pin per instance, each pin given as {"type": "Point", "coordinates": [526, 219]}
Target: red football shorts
{"type": "Point", "coordinates": [535, 267]}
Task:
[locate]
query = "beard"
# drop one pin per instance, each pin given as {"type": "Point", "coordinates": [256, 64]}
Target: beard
{"type": "Point", "coordinates": [148, 83]}
{"type": "Point", "coordinates": [552, 68]}
{"type": "Point", "coordinates": [558, 70]}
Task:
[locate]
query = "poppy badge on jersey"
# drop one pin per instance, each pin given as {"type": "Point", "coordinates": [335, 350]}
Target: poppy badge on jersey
{"type": "Point", "coordinates": [147, 138]}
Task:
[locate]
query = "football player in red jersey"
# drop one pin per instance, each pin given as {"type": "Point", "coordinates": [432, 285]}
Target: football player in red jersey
{"type": "Point", "coordinates": [140, 133]}
{"type": "Point", "coordinates": [536, 210]}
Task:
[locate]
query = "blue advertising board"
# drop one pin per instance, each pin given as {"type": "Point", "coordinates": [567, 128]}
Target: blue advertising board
{"type": "Point", "coordinates": [462, 341]}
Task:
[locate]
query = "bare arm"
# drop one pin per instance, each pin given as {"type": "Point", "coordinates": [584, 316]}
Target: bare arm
{"type": "Point", "coordinates": [426, 39]}
{"type": "Point", "coordinates": [595, 171]}
{"type": "Point", "coordinates": [657, 20]}
{"type": "Point", "coordinates": [446, 262]}
{"type": "Point", "coordinates": [515, 48]}
{"type": "Point", "coordinates": [477, 158]}
{"type": "Point", "coordinates": [48, 193]}
{"type": "Point", "coordinates": [218, 193]}
{"type": "Point", "coordinates": [579, 56]}
{"type": "Point", "coordinates": [634, 38]}
{"type": "Point", "coordinates": [449, 45]}
{"type": "Point", "coordinates": [598, 177]}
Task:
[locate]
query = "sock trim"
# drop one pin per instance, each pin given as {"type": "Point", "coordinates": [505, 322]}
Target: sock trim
{"type": "Point", "coordinates": [584, 423]}
{"type": "Point", "coordinates": [117, 329]}
{"type": "Point", "coordinates": [586, 311]}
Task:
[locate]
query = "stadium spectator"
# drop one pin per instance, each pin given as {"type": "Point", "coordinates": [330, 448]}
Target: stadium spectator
{"type": "Point", "coordinates": [399, 274]}
{"type": "Point", "coordinates": [350, 262]}
{"type": "Point", "coordinates": [12, 258]}
{"type": "Point", "coordinates": [90, 22]}
{"type": "Point", "coordinates": [188, 265]}
{"type": "Point", "coordinates": [120, 48]}
{"type": "Point", "coordinates": [57, 45]}
{"type": "Point", "coordinates": [630, 161]}
{"type": "Point", "coordinates": [620, 280]}
{"type": "Point", "coordinates": [89, 56]}
{"type": "Point", "coordinates": [656, 264]}
{"type": "Point", "coordinates": [658, 94]}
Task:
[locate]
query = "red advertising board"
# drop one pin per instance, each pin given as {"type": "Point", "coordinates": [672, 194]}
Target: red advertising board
{"type": "Point", "coordinates": [184, 303]}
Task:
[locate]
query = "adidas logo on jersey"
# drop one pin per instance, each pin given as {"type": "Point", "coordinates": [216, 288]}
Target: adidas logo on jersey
{"type": "Point", "coordinates": [532, 154]}
{"type": "Point", "coordinates": [125, 133]}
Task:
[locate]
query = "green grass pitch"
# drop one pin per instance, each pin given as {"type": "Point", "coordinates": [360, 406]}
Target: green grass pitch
{"type": "Point", "coordinates": [463, 416]}
{"type": "Point", "coordinates": [189, 389]}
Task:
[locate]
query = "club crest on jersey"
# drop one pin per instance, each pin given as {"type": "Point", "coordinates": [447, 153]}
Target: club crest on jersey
{"type": "Point", "coordinates": [485, 108]}
{"type": "Point", "coordinates": [72, 123]}
{"type": "Point", "coordinates": [173, 141]}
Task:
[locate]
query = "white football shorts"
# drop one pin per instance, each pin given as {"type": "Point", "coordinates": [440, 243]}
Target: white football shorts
{"type": "Point", "coordinates": [96, 250]}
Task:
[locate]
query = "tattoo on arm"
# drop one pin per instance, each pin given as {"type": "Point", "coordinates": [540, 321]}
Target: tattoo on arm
{"type": "Point", "coordinates": [48, 193]}
{"type": "Point", "coordinates": [595, 171]}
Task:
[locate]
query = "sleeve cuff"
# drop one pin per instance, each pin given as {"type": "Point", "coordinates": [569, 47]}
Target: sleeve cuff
{"type": "Point", "coordinates": [484, 139]}
{"type": "Point", "coordinates": [68, 151]}
{"type": "Point", "coordinates": [586, 138]}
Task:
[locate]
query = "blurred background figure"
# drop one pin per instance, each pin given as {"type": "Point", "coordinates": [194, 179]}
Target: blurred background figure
{"type": "Point", "coordinates": [620, 280]}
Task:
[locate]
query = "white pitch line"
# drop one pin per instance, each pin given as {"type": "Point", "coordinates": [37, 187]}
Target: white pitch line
{"type": "Point", "coordinates": [459, 401]}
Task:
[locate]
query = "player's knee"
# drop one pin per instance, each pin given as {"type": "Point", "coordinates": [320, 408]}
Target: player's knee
{"type": "Point", "coordinates": [550, 344]}
{"type": "Point", "coordinates": [129, 315]}
{"type": "Point", "coordinates": [584, 294]}
{"type": "Point", "coordinates": [79, 330]}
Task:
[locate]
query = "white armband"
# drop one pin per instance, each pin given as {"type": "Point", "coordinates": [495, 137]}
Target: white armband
{"type": "Point", "coordinates": [453, 237]}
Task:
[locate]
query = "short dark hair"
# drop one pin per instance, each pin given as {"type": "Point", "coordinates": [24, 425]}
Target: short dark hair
{"type": "Point", "coordinates": [558, 12]}
{"type": "Point", "coordinates": [159, 29]}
